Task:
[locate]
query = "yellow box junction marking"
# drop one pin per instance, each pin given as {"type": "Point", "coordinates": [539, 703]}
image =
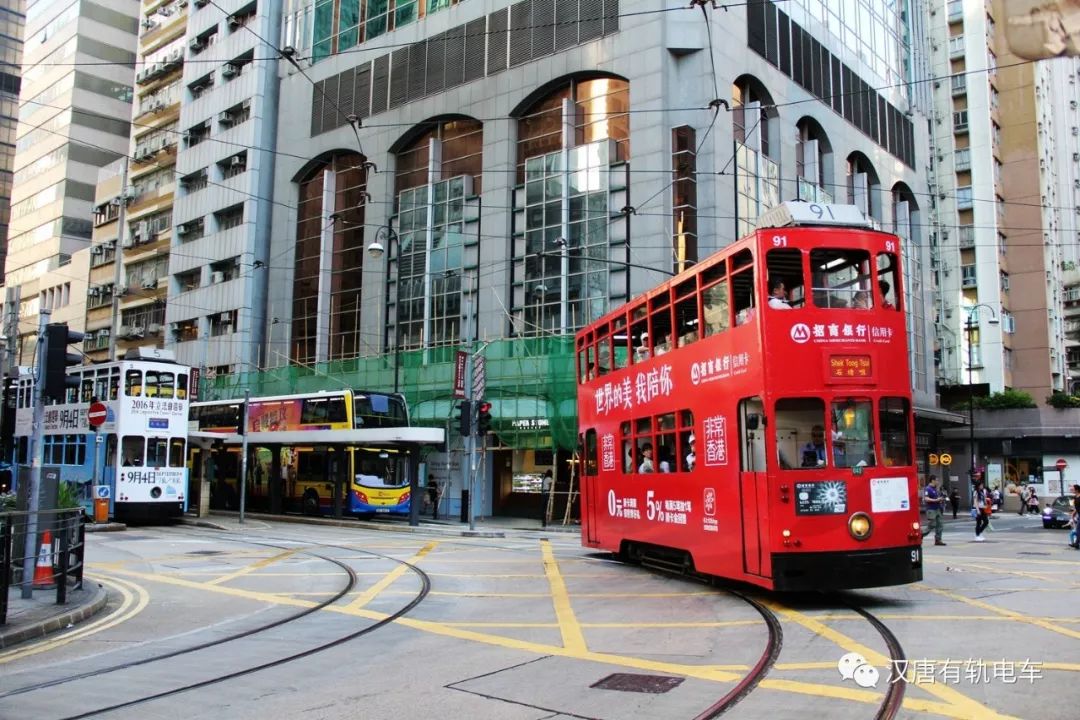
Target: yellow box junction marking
{"type": "Point", "coordinates": [1003, 612]}
{"type": "Point", "coordinates": [372, 592]}
{"type": "Point", "coordinates": [572, 637]}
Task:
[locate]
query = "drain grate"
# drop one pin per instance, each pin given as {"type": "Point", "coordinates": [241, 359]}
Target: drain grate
{"type": "Point", "coordinates": [630, 682]}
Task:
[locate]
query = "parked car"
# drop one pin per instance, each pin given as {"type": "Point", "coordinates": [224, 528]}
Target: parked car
{"type": "Point", "coordinates": [1057, 513]}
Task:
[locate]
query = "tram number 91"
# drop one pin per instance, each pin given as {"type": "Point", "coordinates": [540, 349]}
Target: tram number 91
{"type": "Point", "coordinates": [916, 557]}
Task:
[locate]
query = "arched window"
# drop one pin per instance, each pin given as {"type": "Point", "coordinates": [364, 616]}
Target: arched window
{"type": "Point", "coordinates": [329, 260]}
{"type": "Point", "coordinates": [568, 140]}
{"type": "Point", "coordinates": [438, 171]}
{"type": "Point", "coordinates": [758, 172]}
{"type": "Point", "coordinates": [813, 162]}
{"type": "Point", "coordinates": [905, 225]}
{"type": "Point", "coordinates": [863, 185]}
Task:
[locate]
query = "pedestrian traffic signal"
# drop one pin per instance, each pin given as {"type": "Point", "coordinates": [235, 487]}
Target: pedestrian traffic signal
{"type": "Point", "coordinates": [483, 418]}
{"type": "Point", "coordinates": [464, 418]}
{"type": "Point", "coordinates": [58, 359]}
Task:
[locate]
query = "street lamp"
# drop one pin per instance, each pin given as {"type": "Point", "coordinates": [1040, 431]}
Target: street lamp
{"type": "Point", "coordinates": [970, 325]}
{"type": "Point", "coordinates": [386, 241]}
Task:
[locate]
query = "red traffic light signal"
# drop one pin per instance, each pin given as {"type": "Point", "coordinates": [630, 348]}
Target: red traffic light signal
{"type": "Point", "coordinates": [483, 418]}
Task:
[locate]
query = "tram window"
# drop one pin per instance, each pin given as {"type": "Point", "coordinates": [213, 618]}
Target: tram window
{"type": "Point", "coordinates": [687, 452]}
{"type": "Point", "coordinates": [886, 281]}
{"type": "Point", "coordinates": [800, 433]}
{"type": "Point", "coordinates": [86, 388]}
{"type": "Point", "coordinates": [644, 460]}
{"type": "Point", "coordinates": [157, 452]}
{"type": "Point", "coordinates": [160, 384]}
{"type": "Point", "coordinates": [838, 275]}
{"type": "Point", "coordinates": [639, 335]}
{"type": "Point", "coordinates": [588, 363]}
{"type": "Point", "coordinates": [742, 292]}
{"type": "Point", "coordinates": [715, 309]}
{"type": "Point", "coordinates": [620, 354]}
{"type": "Point", "coordinates": [590, 453]}
{"type": "Point", "coordinates": [176, 452]}
{"type": "Point", "coordinates": [686, 313]}
{"type": "Point", "coordinates": [660, 321]}
{"type": "Point", "coordinates": [114, 385]}
{"type": "Point", "coordinates": [627, 448]}
{"type": "Point", "coordinates": [751, 436]}
{"type": "Point", "coordinates": [181, 385]}
{"type": "Point", "coordinates": [853, 432]}
{"type": "Point", "coordinates": [664, 457]}
{"type": "Point", "coordinates": [893, 414]}
{"type": "Point", "coordinates": [110, 451]}
{"type": "Point", "coordinates": [785, 265]}
{"type": "Point", "coordinates": [132, 448]}
{"type": "Point", "coordinates": [133, 383]}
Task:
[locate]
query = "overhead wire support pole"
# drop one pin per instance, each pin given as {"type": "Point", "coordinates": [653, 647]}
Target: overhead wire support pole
{"type": "Point", "coordinates": [470, 439]}
{"type": "Point", "coordinates": [244, 452]}
{"type": "Point", "coordinates": [37, 458]}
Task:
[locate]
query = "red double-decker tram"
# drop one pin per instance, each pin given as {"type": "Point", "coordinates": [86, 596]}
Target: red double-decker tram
{"type": "Point", "coordinates": [751, 418]}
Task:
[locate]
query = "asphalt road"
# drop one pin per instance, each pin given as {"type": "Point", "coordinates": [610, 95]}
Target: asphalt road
{"type": "Point", "coordinates": [296, 621]}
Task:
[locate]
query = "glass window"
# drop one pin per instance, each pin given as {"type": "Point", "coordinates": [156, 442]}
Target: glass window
{"type": "Point", "coordinates": [176, 452]}
{"type": "Point", "coordinates": [853, 432]}
{"type": "Point", "coordinates": [644, 452]}
{"type": "Point", "coordinates": [800, 433]}
{"type": "Point", "coordinates": [590, 453]}
{"type": "Point", "coordinates": [133, 381]}
{"type": "Point", "coordinates": [665, 443]}
{"type": "Point", "coordinates": [838, 276]}
{"type": "Point", "coordinates": [157, 452]}
{"type": "Point", "coordinates": [742, 291]}
{"type": "Point", "coordinates": [886, 273]}
{"type": "Point", "coordinates": [686, 312]}
{"type": "Point", "coordinates": [895, 444]}
{"type": "Point", "coordinates": [181, 385]}
{"type": "Point", "coordinates": [132, 451]}
{"type": "Point", "coordinates": [715, 308]}
{"type": "Point", "coordinates": [784, 267]}
{"type": "Point", "coordinates": [687, 441]}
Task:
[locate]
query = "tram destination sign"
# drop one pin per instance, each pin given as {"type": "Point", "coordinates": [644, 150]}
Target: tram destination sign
{"type": "Point", "coordinates": [827, 497]}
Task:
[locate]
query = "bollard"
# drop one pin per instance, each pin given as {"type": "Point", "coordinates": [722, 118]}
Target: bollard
{"type": "Point", "coordinates": [464, 506]}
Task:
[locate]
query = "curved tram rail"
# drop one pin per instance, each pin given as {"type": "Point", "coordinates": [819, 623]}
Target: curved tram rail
{"type": "Point", "coordinates": [349, 586]}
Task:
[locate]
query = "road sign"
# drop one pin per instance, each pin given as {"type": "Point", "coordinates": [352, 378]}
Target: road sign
{"type": "Point", "coordinates": [479, 384]}
{"type": "Point", "coordinates": [1061, 464]}
{"type": "Point", "coordinates": [96, 414]}
{"type": "Point", "coordinates": [102, 492]}
{"type": "Point", "coordinates": [933, 459]}
{"type": "Point", "coordinates": [945, 459]}
{"type": "Point", "coordinates": [459, 374]}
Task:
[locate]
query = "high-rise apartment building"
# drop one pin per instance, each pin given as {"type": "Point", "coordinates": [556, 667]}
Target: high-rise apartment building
{"type": "Point", "coordinates": [75, 105]}
{"type": "Point", "coordinates": [11, 34]}
{"type": "Point", "coordinates": [1005, 194]}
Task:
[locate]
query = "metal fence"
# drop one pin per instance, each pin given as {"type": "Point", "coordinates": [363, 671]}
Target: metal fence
{"type": "Point", "coordinates": [64, 559]}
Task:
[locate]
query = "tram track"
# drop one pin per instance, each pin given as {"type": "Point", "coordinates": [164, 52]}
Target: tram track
{"type": "Point", "coordinates": [894, 695]}
{"type": "Point", "coordinates": [292, 618]}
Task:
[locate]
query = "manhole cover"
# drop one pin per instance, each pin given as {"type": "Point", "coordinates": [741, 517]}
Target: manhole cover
{"type": "Point", "coordinates": [629, 682]}
{"type": "Point", "coordinates": [206, 552]}
{"type": "Point", "coordinates": [1028, 552]}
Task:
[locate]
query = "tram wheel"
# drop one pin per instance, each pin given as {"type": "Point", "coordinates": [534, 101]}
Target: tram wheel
{"type": "Point", "coordinates": [311, 503]}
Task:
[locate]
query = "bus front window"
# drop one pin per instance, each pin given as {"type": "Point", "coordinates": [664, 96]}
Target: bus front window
{"type": "Point", "coordinates": [853, 432]}
{"type": "Point", "coordinates": [800, 433]}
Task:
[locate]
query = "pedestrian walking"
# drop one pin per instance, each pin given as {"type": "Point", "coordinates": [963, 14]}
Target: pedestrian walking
{"type": "Point", "coordinates": [935, 501]}
{"type": "Point", "coordinates": [433, 496]}
{"type": "Point", "coordinates": [1074, 520]}
{"type": "Point", "coordinates": [954, 501]}
{"type": "Point", "coordinates": [980, 510]}
{"type": "Point", "coordinates": [1025, 493]}
{"type": "Point", "coordinates": [1033, 501]}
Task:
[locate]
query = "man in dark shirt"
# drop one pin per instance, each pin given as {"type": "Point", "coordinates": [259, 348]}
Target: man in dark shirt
{"type": "Point", "coordinates": [935, 501]}
{"type": "Point", "coordinates": [1073, 541]}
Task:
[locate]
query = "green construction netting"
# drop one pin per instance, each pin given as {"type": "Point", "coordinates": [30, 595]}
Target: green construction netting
{"type": "Point", "coordinates": [530, 384]}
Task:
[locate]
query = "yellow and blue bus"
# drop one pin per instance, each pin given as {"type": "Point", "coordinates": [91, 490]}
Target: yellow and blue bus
{"type": "Point", "coordinates": [304, 447]}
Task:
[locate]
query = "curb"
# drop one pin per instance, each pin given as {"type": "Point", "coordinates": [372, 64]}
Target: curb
{"type": "Point", "coordinates": [105, 527]}
{"type": "Point", "coordinates": [41, 628]}
{"type": "Point", "coordinates": [330, 522]}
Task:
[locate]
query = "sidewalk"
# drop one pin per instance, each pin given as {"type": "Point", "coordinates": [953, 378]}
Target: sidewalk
{"type": "Point", "coordinates": [40, 615]}
{"type": "Point", "coordinates": [490, 527]}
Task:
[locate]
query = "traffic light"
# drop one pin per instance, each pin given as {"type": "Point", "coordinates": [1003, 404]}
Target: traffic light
{"type": "Point", "coordinates": [465, 418]}
{"type": "Point", "coordinates": [483, 418]}
{"type": "Point", "coordinates": [58, 359]}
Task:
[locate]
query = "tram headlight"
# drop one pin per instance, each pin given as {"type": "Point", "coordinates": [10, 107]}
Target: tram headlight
{"type": "Point", "coordinates": [860, 526]}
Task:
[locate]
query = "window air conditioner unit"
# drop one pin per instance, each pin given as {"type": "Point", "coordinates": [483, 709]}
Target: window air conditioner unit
{"type": "Point", "coordinates": [124, 331]}
{"type": "Point", "coordinates": [96, 250]}
{"type": "Point", "coordinates": [154, 328]}
{"type": "Point", "coordinates": [225, 318]}
{"type": "Point", "coordinates": [229, 70]}
{"type": "Point", "coordinates": [158, 106]}
{"type": "Point", "coordinates": [225, 117]}
{"type": "Point", "coordinates": [149, 284]}
{"type": "Point", "coordinates": [129, 242]}
{"type": "Point", "coordinates": [236, 161]}
{"type": "Point", "coordinates": [217, 277]}
{"type": "Point", "coordinates": [235, 22]}
{"type": "Point", "coordinates": [196, 45]}
{"type": "Point", "coordinates": [138, 331]}
{"type": "Point", "coordinates": [148, 24]}
{"type": "Point", "coordinates": [94, 291]}
{"type": "Point", "coordinates": [182, 229]}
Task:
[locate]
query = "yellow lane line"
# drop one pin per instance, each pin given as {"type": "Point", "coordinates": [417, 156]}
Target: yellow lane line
{"type": "Point", "coordinates": [840, 692]}
{"type": "Point", "coordinates": [1011, 614]}
{"type": "Point", "coordinates": [371, 593]}
{"type": "Point", "coordinates": [952, 697]}
{"type": "Point", "coordinates": [986, 558]}
{"type": "Point", "coordinates": [222, 589]}
{"type": "Point", "coordinates": [265, 562]}
{"type": "Point", "coordinates": [134, 599]}
{"type": "Point", "coordinates": [572, 637]}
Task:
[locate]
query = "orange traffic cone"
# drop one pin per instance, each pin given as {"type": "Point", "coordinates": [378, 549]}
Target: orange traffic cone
{"type": "Point", "coordinates": [43, 571]}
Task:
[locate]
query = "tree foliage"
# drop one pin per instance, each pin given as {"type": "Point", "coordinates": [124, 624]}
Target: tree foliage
{"type": "Point", "coordinates": [1062, 400]}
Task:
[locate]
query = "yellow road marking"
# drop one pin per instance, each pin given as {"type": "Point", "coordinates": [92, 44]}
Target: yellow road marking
{"type": "Point", "coordinates": [373, 592]}
{"type": "Point", "coordinates": [952, 697]}
{"type": "Point", "coordinates": [135, 598]}
{"type": "Point", "coordinates": [1025, 561]}
{"type": "Point", "coordinates": [254, 566]}
{"type": "Point", "coordinates": [841, 692]}
{"type": "Point", "coordinates": [572, 637]}
{"type": "Point", "coordinates": [1012, 614]}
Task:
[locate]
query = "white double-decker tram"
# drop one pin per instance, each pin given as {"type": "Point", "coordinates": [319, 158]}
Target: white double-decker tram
{"type": "Point", "coordinates": [137, 457]}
